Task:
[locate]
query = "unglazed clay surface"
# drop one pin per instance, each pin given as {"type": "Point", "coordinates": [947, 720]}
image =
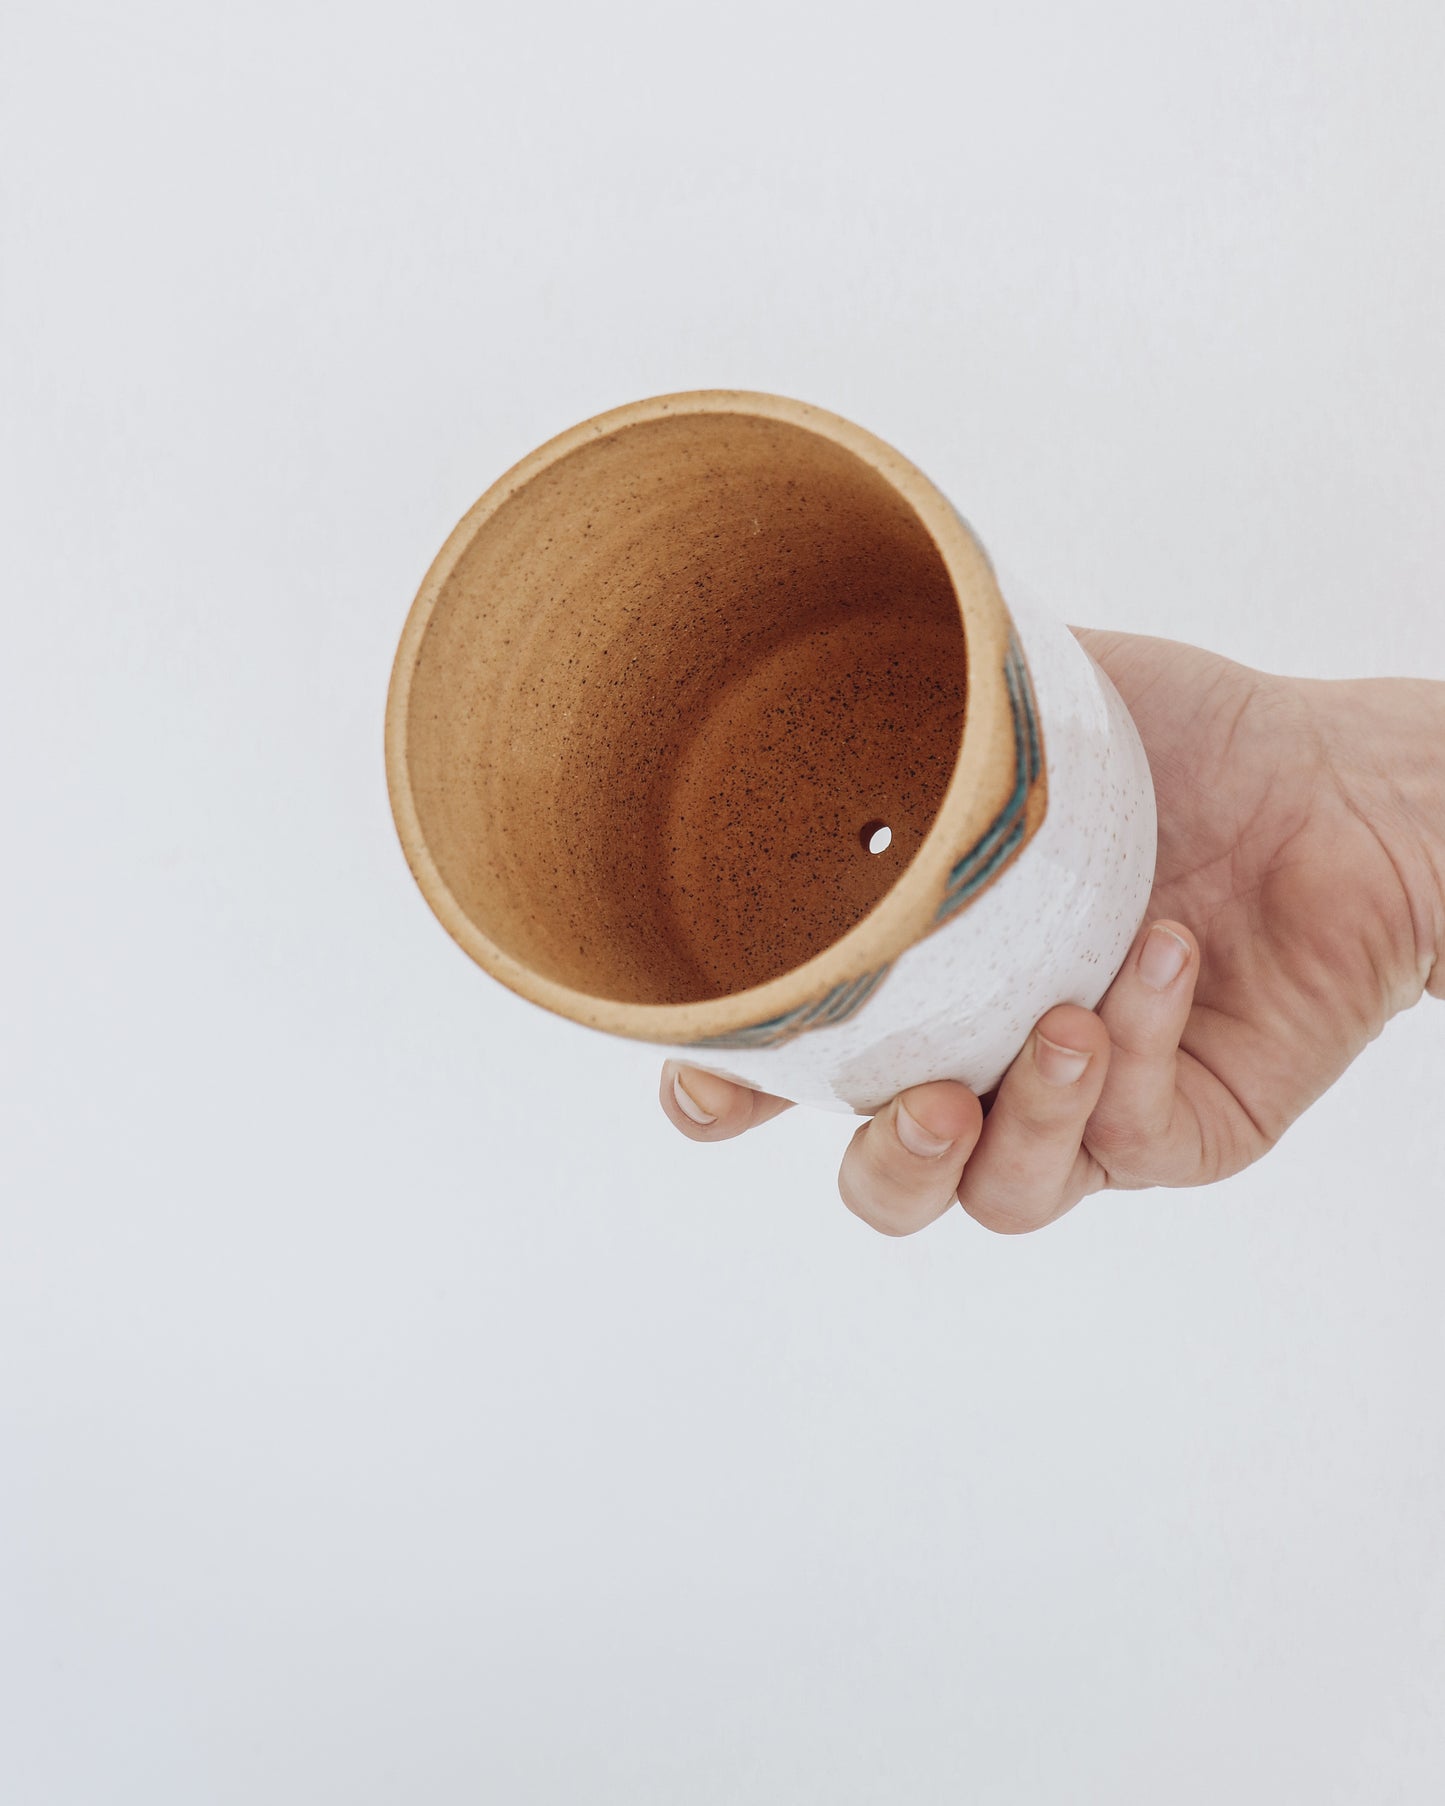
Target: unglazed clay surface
{"type": "Point", "coordinates": [1054, 928]}
{"type": "Point", "coordinates": [665, 684]}
{"type": "Point", "coordinates": [663, 690]}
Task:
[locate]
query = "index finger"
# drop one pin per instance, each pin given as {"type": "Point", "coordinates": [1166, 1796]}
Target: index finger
{"type": "Point", "coordinates": [707, 1108]}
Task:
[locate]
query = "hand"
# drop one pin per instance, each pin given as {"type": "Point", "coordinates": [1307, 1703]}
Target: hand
{"type": "Point", "coordinates": [1297, 906]}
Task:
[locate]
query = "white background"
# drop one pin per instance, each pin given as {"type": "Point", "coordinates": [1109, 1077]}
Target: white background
{"type": "Point", "coordinates": [392, 1406]}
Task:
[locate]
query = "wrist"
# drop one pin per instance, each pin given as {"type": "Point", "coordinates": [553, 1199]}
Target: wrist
{"type": "Point", "coordinates": [1384, 738]}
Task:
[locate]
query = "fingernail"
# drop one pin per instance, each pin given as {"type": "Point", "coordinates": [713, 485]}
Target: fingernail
{"type": "Point", "coordinates": [1163, 958]}
{"type": "Point", "coordinates": [915, 1137]}
{"type": "Point", "coordinates": [689, 1105]}
{"type": "Point", "coordinates": [1058, 1065]}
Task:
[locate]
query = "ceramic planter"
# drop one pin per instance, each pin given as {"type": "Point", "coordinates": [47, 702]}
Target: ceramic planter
{"type": "Point", "coordinates": [660, 694]}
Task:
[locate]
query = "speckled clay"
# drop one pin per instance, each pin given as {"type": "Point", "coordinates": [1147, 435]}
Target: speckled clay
{"type": "Point", "coordinates": [659, 688]}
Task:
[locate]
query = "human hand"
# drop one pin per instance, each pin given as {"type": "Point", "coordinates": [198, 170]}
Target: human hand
{"type": "Point", "coordinates": [1298, 904]}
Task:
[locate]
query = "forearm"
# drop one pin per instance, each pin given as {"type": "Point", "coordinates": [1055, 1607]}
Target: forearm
{"type": "Point", "coordinates": [1385, 741]}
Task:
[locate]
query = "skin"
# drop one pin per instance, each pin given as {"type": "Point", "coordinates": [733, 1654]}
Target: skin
{"type": "Point", "coordinates": [1300, 890]}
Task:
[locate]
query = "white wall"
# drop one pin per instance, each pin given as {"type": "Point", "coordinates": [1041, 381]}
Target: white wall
{"type": "Point", "coordinates": [392, 1407]}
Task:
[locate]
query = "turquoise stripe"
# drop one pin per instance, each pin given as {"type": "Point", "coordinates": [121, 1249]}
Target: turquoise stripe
{"type": "Point", "coordinates": [1002, 837]}
{"type": "Point", "coordinates": [836, 1006]}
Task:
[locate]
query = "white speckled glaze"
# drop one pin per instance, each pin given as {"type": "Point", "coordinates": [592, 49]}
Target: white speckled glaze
{"type": "Point", "coordinates": [1053, 928]}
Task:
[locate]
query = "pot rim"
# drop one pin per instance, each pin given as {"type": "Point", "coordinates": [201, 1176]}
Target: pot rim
{"type": "Point", "coordinates": [979, 787]}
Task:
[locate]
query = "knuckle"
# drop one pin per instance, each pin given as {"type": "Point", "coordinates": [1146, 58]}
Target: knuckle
{"type": "Point", "coordinates": [1119, 1141]}
{"type": "Point", "coordinates": [1109, 1129]}
{"type": "Point", "coordinates": [1139, 1034]}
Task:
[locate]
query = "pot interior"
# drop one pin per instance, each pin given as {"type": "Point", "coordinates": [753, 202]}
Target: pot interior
{"type": "Point", "coordinates": [669, 697]}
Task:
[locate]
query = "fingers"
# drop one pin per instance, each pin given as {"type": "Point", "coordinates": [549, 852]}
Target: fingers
{"type": "Point", "coordinates": [707, 1108]}
{"type": "Point", "coordinates": [1029, 1166]}
{"type": "Point", "coordinates": [1091, 1100]}
{"type": "Point", "coordinates": [1142, 1130]}
{"type": "Point", "coordinates": [901, 1168]}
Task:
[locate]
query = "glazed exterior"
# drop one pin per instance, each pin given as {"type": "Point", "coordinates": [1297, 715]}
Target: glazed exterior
{"type": "Point", "coordinates": [1053, 927]}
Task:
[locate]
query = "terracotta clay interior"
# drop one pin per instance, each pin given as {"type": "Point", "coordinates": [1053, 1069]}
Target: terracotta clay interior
{"type": "Point", "coordinates": [670, 697]}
